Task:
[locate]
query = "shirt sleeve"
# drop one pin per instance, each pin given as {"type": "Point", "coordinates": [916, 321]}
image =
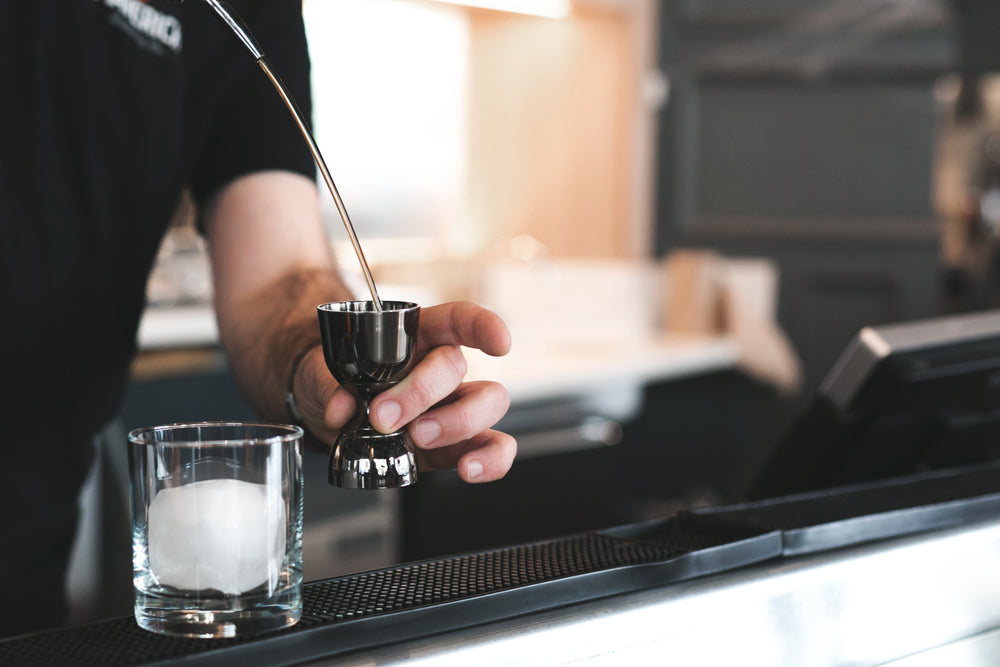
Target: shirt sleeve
{"type": "Point", "coordinates": [251, 128]}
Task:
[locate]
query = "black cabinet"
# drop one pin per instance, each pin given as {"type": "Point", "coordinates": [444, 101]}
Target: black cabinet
{"type": "Point", "coordinates": [804, 131]}
{"type": "Point", "coordinates": [697, 441]}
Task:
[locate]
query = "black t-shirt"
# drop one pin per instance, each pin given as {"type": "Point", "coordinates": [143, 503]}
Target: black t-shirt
{"type": "Point", "coordinates": [108, 110]}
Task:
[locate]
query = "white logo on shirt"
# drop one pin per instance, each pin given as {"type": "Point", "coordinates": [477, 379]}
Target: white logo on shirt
{"type": "Point", "coordinates": [145, 20]}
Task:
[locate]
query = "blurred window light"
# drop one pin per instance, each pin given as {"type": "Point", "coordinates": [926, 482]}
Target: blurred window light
{"type": "Point", "coordinates": [389, 81]}
{"type": "Point", "coordinates": [553, 9]}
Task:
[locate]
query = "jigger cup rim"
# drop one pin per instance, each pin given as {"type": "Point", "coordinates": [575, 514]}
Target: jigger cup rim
{"type": "Point", "coordinates": [361, 306]}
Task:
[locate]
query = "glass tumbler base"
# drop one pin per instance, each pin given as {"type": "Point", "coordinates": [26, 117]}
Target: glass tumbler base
{"type": "Point", "coordinates": [176, 621]}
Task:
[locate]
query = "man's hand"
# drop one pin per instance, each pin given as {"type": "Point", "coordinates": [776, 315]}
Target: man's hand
{"type": "Point", "coordinates": [449, 420]}
{"type": "Point", "coordinates": [272, 266]}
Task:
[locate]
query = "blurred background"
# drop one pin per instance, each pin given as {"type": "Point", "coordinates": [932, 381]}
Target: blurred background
{"type": "Point", "coordinates": [683, 209]}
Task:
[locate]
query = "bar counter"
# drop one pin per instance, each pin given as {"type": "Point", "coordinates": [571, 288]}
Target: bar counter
{"type": "Point", "coordinates": [862, 575]}
{"type": "Point", "coordinates": [912, 598]}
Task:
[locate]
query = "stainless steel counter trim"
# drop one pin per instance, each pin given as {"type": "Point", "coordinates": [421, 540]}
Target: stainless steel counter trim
{"type": "Point", "coordinates": [977, 651]}
{"type": "Point", "coordinates": [861, 606]}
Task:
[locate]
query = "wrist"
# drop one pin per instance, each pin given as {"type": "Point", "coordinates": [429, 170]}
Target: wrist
{"type": "Point", "coordinates": [292, 410]}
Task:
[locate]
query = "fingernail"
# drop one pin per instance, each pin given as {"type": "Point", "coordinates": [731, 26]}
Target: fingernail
{"type": "Point", "coordinates": [388, 413]}
{"type": "Point", "coordinates": [426, 431]}
{"type": "Point", "coordinates": [473, 469]}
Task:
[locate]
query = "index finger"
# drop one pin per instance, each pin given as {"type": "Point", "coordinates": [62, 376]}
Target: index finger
{"type": "Point", "coordinates": [463, 323]}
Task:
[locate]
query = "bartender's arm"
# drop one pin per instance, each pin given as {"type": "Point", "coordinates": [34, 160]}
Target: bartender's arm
{"type": "Point", "coordinates": [272, 266]}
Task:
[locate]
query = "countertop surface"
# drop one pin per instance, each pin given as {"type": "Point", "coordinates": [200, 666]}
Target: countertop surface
{"type": "Point", "coordinates": [607, 370]}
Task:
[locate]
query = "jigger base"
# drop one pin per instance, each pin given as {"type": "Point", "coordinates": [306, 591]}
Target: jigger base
{"type": "Point", "coordinates": [373, 462]}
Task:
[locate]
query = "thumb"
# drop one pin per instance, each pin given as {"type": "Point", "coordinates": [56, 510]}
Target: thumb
{"type": "Point", "coordinates": [324, 404]}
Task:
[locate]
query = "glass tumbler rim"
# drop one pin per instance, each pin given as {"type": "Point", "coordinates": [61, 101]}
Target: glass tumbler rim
{"type": "Point", "coordinates": [282, 433]}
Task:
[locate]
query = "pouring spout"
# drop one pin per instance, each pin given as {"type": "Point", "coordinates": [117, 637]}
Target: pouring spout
{"type": "Point", "coordinates": [237, 26]}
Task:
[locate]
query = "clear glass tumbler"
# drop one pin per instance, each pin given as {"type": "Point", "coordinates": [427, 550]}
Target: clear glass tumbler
{"type": "Point", "coordinates": [216, 528]}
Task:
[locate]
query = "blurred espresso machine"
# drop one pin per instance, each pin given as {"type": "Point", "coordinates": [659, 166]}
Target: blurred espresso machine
{"type": "Point", "coordinates": [967, 169]}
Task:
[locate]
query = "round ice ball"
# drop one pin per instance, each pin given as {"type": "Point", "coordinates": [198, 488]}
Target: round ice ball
{"type": "Point", "coordinates": [223, 534]}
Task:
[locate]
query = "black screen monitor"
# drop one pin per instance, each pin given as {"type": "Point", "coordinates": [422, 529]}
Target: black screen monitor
{"type": "Point", "coordinates": [900, 399]}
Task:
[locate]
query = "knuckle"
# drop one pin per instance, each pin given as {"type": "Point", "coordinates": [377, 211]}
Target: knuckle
{"type": "Point", "coordinates": [495, 399]}
{"type": "Point", "coordinates": [422, 393]}
{"type": "Point", "coordinates": [511, 446]}
{"type": "Point", "coordinates": [465, 423]}
{"type": "Point", "coordinates": [507, 447]}
{"type": "Point", "coordinates": [501, 396]}
{"type": "Point", "coordinates": [454, 357]}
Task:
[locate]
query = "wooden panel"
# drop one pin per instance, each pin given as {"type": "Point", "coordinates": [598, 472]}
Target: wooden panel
{"type": "Point", "coordinates": [551, 122]}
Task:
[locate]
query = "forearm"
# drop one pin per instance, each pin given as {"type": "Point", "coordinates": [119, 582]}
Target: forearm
{"type": "Point", "coordinates": [272, 266]}
{"type": "Point", "coordinates": [272, 330]}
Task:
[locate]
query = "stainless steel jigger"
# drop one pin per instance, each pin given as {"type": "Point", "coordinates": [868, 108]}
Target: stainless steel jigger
{"type": "Point", "coordinates": [369, 350]}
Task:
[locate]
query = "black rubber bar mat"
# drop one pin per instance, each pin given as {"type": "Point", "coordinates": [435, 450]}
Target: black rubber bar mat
{"type": "Point", "coordinates": [849, 515]}
{"type": "Point", "coordinates": [424, 598]}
